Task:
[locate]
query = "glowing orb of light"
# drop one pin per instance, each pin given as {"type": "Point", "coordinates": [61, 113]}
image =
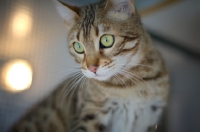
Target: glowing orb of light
{"type": "Point", "coordinates": [17, 76]}
{"type": "Point", "coordinates": [21, 24]}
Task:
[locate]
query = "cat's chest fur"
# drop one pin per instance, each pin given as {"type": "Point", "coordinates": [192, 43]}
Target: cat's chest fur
{"type": "Point", "coordinates": [100, 113]}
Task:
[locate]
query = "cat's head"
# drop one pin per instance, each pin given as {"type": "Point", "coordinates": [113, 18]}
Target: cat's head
{"type": "Point", "coordinates": [104, 37]}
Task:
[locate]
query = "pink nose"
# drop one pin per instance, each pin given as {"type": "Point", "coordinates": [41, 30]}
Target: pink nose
{"type": "Point", "coordinates": [93, 68]}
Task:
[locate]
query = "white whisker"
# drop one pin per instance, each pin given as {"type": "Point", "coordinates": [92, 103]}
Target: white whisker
{"type": "Point", "coordinates": [71, 86]}
{"type": "Point", "coordinates": [82, 84]}
{"type": "Point", "coordinates": [123, 83]}
{"type": "Point", "coordinates": [76, 77]}
{"type": "Point", "coordinates": [141, 65]}
{"type": "Point", "coordinates": [129, 77]}
{"type": "Point", "coordinates": [71, 76]}
{"type": "Point", "coordinates": [75, 86]}
{"type": "Point", "coordinates": [137, 78]}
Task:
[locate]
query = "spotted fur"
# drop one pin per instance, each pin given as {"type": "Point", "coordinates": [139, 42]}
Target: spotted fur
{"type": "Point", "coordinates": [129, 88]}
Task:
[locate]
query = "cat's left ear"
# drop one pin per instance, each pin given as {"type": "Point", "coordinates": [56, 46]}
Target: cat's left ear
{"type": "Point", "coordinates": [67, 12]}
{"type": "Point", "coordinates": [119, 9]}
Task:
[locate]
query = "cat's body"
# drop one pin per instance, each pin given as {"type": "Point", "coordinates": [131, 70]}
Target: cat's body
{"type": "Point", "coordinates": [127, 83]}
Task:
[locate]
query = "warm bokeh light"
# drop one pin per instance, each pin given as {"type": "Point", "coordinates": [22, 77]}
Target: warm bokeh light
{"type": "Point", "coordinates": [21, 23]}
{"type": "Point", "coordinates": [17, 76]}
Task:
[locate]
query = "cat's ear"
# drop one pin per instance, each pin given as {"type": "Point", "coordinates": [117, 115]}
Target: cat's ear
{"type": "Point", "coordinates": [67, 12]}
{"type": "Point", "coordinates": [119, 9]}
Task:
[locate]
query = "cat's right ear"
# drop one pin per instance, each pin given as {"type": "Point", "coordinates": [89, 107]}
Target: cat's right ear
{"type": "Point", "coordinates": [67, 12]}
{"type": "Point", "coordinates": [119, 9]}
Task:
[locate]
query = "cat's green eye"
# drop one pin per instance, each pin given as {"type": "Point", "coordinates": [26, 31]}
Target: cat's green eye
{"type": "Point", "coordinates": [78, 48]}
{"type": "Point", "coordinates": [107, 41]}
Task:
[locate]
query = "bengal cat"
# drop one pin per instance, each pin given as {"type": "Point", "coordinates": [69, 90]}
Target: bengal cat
{"type": "Point", "coordinates": [122, 85]}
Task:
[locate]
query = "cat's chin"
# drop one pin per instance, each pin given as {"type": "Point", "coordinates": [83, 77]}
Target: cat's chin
{"type": "Point", "coordinates": [99, 77]}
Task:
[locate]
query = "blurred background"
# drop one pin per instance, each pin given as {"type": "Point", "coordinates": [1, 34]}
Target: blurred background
{"type": "Point", "coordinates": [34, 52]}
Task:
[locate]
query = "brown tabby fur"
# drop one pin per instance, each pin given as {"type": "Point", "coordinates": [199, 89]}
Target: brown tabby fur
{"type": "Point", "coordinates": [87, 26]}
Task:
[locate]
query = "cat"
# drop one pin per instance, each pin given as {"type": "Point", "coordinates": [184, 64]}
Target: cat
{"type": "Point", "coordinates": [123, 84]}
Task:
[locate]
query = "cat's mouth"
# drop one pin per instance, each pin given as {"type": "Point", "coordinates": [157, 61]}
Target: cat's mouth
{"type": "Point", "coordinates": [97, 75]}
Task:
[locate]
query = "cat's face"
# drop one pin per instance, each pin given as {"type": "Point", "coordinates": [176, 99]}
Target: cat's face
{"type": "Point", "coordinates": [104, 40]}
{"type": "Point", "coordinates": [103, 53]}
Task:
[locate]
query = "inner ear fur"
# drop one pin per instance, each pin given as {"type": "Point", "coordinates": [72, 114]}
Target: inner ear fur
{"type": "Point", "coordinates": [67, 12]}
